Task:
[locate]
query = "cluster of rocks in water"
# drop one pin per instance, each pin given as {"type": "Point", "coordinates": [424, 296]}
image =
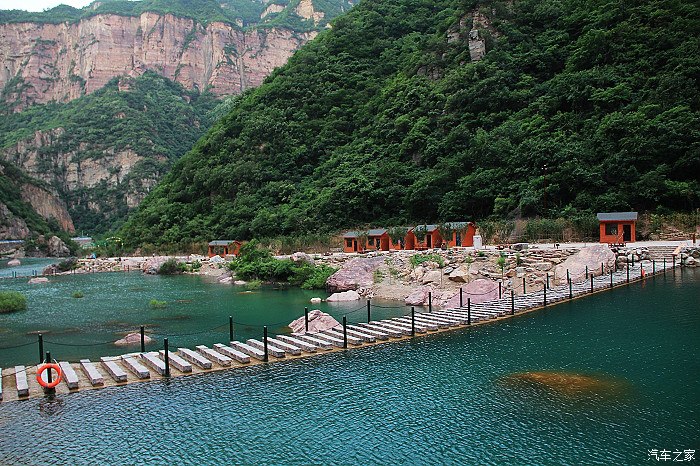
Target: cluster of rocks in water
{"type": "Point", "coordinates": [690, 257]}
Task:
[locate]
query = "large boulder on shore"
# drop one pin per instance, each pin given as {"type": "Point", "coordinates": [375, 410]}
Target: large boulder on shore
{"type": "Point", "coordinates": [355, 274]}
{"type": "Point", "coordinates": [14, 263]}
{"type": "Point", "coordinates": [419, 297]}
{"type": "Point", "coordinates": [318, 322]}
{"type": "Point", "coordinates": [591, 257]}
{"type": "Point", "coordinates": [38, 280]}
{"type": "Point", "coordinates": [350, 295]}
{"type": "Point", "coordinates": [302, 257]}
{"type": "Point", "coordinates": [133, 339]}
{"type": "Point", "coordinates": [57, 248]}
{"type": "Point", "coordinates": [479, 291]}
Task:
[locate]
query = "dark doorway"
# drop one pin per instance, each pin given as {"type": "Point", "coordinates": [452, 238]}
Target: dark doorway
{"type": "Point", "coordinates": [458, 239]}
{"type": "Point", "coordinates": [626, 233]}
{"type": "Point", "coordinates": [429, 241]}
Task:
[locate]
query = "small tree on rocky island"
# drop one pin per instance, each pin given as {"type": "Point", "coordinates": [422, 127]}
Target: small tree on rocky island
{"type": "Point", "coordinates": [501, 261]}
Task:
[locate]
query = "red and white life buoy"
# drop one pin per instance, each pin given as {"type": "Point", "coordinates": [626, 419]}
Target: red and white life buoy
{"type": "Point", "coordinates": [49, 366]}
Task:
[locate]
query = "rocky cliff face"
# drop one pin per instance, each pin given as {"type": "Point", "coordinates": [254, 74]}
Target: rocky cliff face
{"type": "Point", "coordinates": [48, 205]}
{"type": "Point", "coordinates": [69, 172]}
{"type": "Point", "coordinates": [67, 169]}
{"type": "Point", "coordinates": [60, 62]}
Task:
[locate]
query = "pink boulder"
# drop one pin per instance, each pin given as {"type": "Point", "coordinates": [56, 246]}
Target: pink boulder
{"type": "Point", "coordinates": [318, 322]}
{"type": "Point", "coordinates": [133, 339]}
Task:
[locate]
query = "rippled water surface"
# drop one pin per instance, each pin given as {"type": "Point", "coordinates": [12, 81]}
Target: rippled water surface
{"type": "Point", "coordinates": [435, 400]}
{"type": "Point", "coordinates": [29, 267]}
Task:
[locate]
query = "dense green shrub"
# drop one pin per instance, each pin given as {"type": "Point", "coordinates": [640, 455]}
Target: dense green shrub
{"type": "Point", "coordinates": [78, 294]}
{"type": "Point", "coordinates": [12, 301]}
{"type": "Point", "coordinates": [171, 267]}
{"type": "Point", "coordinates": [316, 280]}
{"type": "Point", "coordinates": [156, 304]}
{"type": "Point", "coordinates": [253, 285]}
{"type": "Point", "coordinates": [256, 263]}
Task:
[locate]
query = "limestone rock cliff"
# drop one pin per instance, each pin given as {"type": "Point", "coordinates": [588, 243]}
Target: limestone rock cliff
{"type": "Point", "coordinates": [48, 205]}
{"type": "Point", "coordinates": [43, 62]}
{"type": "Point", "coordinates": [78, 177]}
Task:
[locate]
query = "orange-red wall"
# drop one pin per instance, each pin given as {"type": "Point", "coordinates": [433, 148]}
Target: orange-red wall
{"type": "Point", "coordinates": [617, 239]}
{"type": "Point", "coordinates": [467, 237]}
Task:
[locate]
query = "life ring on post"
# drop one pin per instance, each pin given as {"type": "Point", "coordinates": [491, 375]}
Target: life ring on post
{"type": "Point", "coordinates": [49, 366]}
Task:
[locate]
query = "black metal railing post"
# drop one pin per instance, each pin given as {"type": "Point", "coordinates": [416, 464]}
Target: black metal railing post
{"type": "Point", "coordinates": [369, 312]}
{"type": "Point", "coordinates": [166, 357]}
{"type": "Point", "coordinates": [512, 302]}
{"type": "Point", "coordinates": [469, 311]}
{"type": "Point", "coordinates": [544, 301]}
{"type": "Point", "coordinates": [230, 328]}
{"type": "Point", "coordinates": [265, 356]}
{"type": "Point", "coordinates": [143, 339]}
{"type": "Point", "coordinates": [306, 319]}
{"type": "Point", "coordinates": [345, 332]}
{"type": "Point", "coordinates": [49, 375]}
{"type": "Point", "coordinates": [41, 348]}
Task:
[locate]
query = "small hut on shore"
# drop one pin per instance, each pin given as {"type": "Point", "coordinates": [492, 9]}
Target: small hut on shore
{"type": "Point", "coordinates": [224, 248]}
{"type": "Point", "coordinates": [618, 227]}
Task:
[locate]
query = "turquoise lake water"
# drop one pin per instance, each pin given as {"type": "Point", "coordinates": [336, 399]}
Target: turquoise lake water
{"type": "Point", "coordinates": [440, 399]}
{"type": "Point", "coordinates": [29, 266]}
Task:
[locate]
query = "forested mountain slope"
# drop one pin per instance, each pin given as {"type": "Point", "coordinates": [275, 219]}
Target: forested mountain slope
{"type": "Point", "coordinates": [386, 119]}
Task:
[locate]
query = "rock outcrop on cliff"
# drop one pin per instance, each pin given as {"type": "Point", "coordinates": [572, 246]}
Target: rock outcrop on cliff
{"type": "Point", "coordinates": [60, 62]}
{"type": "Point", "coordinates": [28, 205]}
